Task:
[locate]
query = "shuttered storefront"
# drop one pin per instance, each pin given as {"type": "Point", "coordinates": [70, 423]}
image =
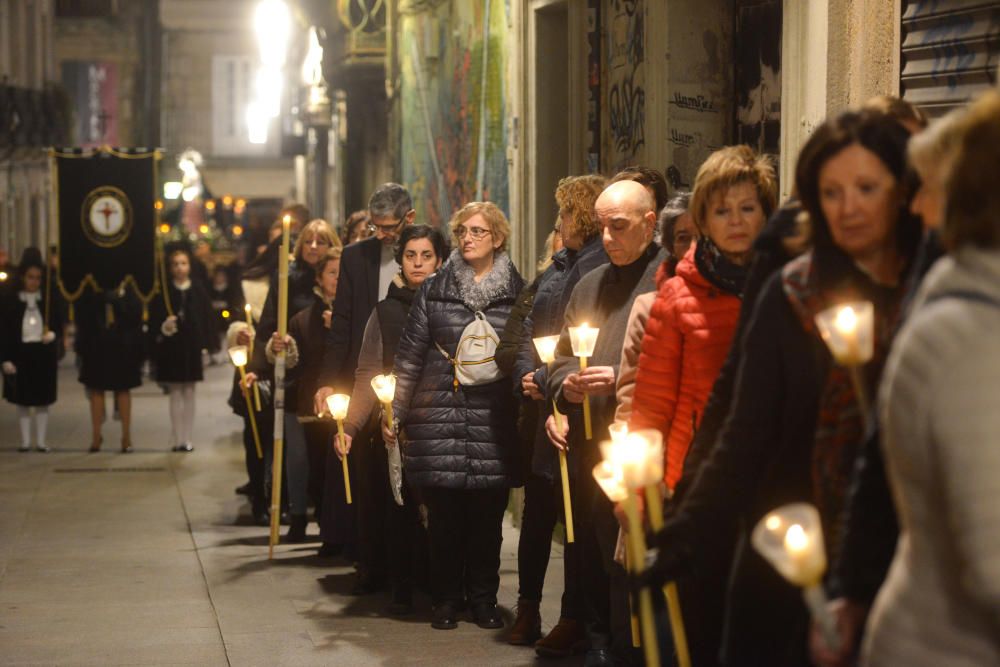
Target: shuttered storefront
{"type": "Point", "coordinates": [950, 52]}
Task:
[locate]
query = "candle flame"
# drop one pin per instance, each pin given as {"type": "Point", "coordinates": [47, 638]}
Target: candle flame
{"type": "Point", "coordinates": [338, 405]}
{"type": "Point", "coordinates": [847, 319]}
{"type": "Point", "coordinates": [796, 540]}
{"type": "Point", "coordinates": [238, 354]}
{"type": "Point", "coordinates": [773, 522]}
{"type": "Point", "coordinates": [385, 387]}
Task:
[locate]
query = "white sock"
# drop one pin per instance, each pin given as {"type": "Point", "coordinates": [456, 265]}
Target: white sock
{"type": "Point", "coordinates": [176, 412]}
{"type": "Point", "coordinates": [24, 419]}
{"type": "Point", "coordinates": [188, 416]}
{"type": "Point", "coordinates": [42, 424]}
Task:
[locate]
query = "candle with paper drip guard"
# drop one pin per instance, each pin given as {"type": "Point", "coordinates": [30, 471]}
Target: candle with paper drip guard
{"type": "Point", "coordinates": [546, 346]}
{"type": "Point", "coordinates": [256, 390]}
{"type": "Point", "coordinates": [849, 332]}
{"type": "Point", "coordinates": [790, 538]}
{"type": "Point", "coordinates": [584, 339]}
{"type": "Point", "coordinates": [636, 458]}
{"type": "Point", "coordinates": [239, 354]}
{"type": "Point", "coordinates": [385, 390]}
{"type": "Point", "coordinates": [338, 404]}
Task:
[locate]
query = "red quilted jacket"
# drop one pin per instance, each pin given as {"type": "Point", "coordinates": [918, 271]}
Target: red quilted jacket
{"type": "Point", "coordinates": [690, 329]}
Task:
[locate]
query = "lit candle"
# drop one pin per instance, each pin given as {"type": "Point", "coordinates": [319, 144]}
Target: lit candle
{"type": "Point", "coordinates": [618, 431]}
{"type": "Point", "coordinates": [584, 339]}
{"type": "Point", "coordinates": [791, 539]}
{"type": "Point", "coordinates": [238, 355]}
{"type": "Point", "coordinates": [546, 346]}
{"type": "Point", "coordinates": [385, 390]}
{"type": "Point", "coordinates": [338, 404]}
{"type": "Point", "coordinates": [849, 333]}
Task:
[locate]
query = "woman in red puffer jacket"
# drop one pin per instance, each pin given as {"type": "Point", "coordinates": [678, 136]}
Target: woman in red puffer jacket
{"type": "Point", "coordinates": [693, 318]}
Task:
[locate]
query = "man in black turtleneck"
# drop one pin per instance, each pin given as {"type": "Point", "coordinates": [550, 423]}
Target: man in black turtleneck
{"type": "Point", "coordinates": [603, 298]}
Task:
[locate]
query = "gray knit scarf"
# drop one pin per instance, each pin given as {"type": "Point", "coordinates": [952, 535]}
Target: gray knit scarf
{"type": "Point", "coordinates": [493, 287]}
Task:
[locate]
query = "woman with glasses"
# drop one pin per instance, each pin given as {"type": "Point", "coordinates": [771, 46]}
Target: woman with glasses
{"type": "Point", "coordinates": [459, 439]}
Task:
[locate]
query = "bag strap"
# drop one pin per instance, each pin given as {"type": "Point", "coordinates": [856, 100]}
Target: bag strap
{"type": "Point", "coordinates": [454, 366]}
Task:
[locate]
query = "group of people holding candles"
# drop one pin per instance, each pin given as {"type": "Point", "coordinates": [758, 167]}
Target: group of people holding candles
{"type": "Point", "coordinates": [792, 409]}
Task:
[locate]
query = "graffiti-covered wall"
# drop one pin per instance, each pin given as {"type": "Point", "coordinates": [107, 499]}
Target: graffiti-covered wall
{"type": "Point", "coordinates": [625, 117]}
{"type": "Point", "coordinates": [453, 131]}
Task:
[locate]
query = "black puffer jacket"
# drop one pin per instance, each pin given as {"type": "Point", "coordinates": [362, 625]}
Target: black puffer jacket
{"type": "Point", "coordinates": [464, 438]}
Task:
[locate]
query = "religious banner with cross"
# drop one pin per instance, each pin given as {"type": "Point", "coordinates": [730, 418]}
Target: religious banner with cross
{"type": "Point", "coordinates": [106, 208]}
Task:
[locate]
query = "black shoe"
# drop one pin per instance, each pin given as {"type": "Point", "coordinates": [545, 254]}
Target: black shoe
{"type": "Point", "coordinates": [183, 447]}
{"type": "Point", "coordinates": [487, 616]}
{"type": "Point", "coordinates": [599, 657]}
{"type": "Point", "coordinates": [330, 550]}
{"type": "Point", "coordinates": [445, 617]}
{"type": "Point", "coordinates": [243, 490]}
{"type": "Point", "coordinates": [261, 516]}
{"type": "Point", "coordinates": [297, 529]}
{"type": "Point", "coordinates": [402, 602]}
{"type": "Point", "coordinates": [366, 584]}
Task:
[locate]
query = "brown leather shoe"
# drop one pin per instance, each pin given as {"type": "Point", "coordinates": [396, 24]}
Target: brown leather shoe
{"type": "Point", "coordinates": [566, 639]}
{"type": "Point", "coordinates": [527, 625]}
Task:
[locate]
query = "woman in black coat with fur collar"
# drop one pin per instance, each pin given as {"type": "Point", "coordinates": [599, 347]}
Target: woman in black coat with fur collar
{"type": "Point", "coordinates": [459, 441]}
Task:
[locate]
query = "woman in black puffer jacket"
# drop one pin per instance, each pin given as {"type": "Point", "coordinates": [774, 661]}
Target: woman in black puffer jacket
{"type": "Point", "coordinates": [459, 442]}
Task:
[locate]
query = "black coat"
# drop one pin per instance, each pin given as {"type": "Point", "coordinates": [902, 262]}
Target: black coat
{"type": "Point", "coordinates": [177, 358]}
{"type": "Point", "coordinates": [309, 333]}
{"type": "Point", "coordinates": [301, 281]}
{"type": "Point", "coordinates": [34, 384]}
{"type": "Point", "coordinates": [462, 438]}
{"type": "Point", "coordinates": [357, 295]}
{"type": "Point", "coordinates": [109, 340]}
{"type": "Point", "coordinates": [763, 459]}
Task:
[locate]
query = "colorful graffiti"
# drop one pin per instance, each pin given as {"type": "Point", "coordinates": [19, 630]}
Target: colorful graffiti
{"type": "Point", "coordinates": [453, 131]}
{"type": "Point", "coordinates": [626, 81]}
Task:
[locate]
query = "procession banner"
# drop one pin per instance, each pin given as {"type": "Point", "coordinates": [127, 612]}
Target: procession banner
{"type": "Point", "coordinates": [106, 211]}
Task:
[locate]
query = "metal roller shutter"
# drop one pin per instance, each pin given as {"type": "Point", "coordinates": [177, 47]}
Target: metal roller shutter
{"type": "Point", "coordinates": [950, 52]}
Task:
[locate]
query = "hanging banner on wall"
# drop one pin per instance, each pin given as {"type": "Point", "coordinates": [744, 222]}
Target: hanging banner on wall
{"type": "Point", "coordinates": [93, 87]}
{"type": "Point", "coordinates": [105, 205]}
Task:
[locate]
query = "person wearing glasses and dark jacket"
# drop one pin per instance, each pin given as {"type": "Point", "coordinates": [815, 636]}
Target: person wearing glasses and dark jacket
{"type": "Point", "coordinates": [367, 268]}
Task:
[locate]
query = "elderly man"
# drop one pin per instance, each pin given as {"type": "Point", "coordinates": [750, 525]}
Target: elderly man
{"type": "Point", "coordinates": [603, 299]}
{"type": "Point", "coordinates": [366, 271]}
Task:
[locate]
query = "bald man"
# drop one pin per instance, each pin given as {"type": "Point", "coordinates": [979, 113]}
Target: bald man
{"type": "Point", "coordinates": [603, 298]}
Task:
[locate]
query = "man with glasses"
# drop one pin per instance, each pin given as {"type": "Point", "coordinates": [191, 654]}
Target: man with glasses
{"type": "Point", "coordinates": [366, 271]}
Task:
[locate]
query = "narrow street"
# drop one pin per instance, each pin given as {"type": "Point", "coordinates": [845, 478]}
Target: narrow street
{"type": "Point", "coordinates": [150, 558]}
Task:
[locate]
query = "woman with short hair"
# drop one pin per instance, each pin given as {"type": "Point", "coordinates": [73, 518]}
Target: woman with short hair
{"type": "Point", "coordinates": [459, 440]}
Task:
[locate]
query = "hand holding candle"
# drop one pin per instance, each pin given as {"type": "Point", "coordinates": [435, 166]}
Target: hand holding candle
{"type": "Point", "coordinates": [790, 538]}
{"type": "Point", "coordinates": [338, 404]}
{"type": "Point", "coordinates": [238, 354]}
{"type": "Point", "coordinates": [584, 340]}
{"type": "Point", "coordinates": [546, 346]}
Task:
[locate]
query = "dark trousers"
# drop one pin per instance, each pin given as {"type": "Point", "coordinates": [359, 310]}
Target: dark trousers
{"type": "Point", "coordinates": [604, 589]}
{"type": "Point", "coordinates": [318, 438]}
{"type": "Point", "coordinates": [338, 522]}
{"type": "Point", "coordinates": [371, 494]}
{"type": "Point", "coordinates": [465, 529]}
{"type": "Point", "coordinates": [405, 541]}
{"type": "Point", "coordinates": [259, 469]}
{"type": "Point", "coordinates": [543, 507]}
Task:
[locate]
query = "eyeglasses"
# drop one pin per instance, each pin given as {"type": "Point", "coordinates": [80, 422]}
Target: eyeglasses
{"type": "Point", "coordinates": [477, 233]}
{"type": "Point", "coordinates": [388, 229]}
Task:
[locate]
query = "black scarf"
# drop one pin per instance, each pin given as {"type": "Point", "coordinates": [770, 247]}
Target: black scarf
{"type": "Point", "coordinates": [718, 269]}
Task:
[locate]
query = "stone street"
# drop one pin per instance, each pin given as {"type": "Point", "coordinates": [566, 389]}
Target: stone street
{"type": "Point", "coordinates": [150, 558]}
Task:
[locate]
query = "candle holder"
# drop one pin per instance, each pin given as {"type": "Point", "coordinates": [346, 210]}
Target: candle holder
{"type": "Point", "coordinates": [338, 405]}
{"type": "Point", "coordinates": [849, 332]}
{"type": "Point", "coordinates": [546, 346]}
{"type": "Point", "coordinates": [584, 339]}
{"type": "Point", "coordinates": [238, 355]}
{"type": "Point", "coordinates": [790, 538]}
{"type": "Point", "coordinates": [385, 390]}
